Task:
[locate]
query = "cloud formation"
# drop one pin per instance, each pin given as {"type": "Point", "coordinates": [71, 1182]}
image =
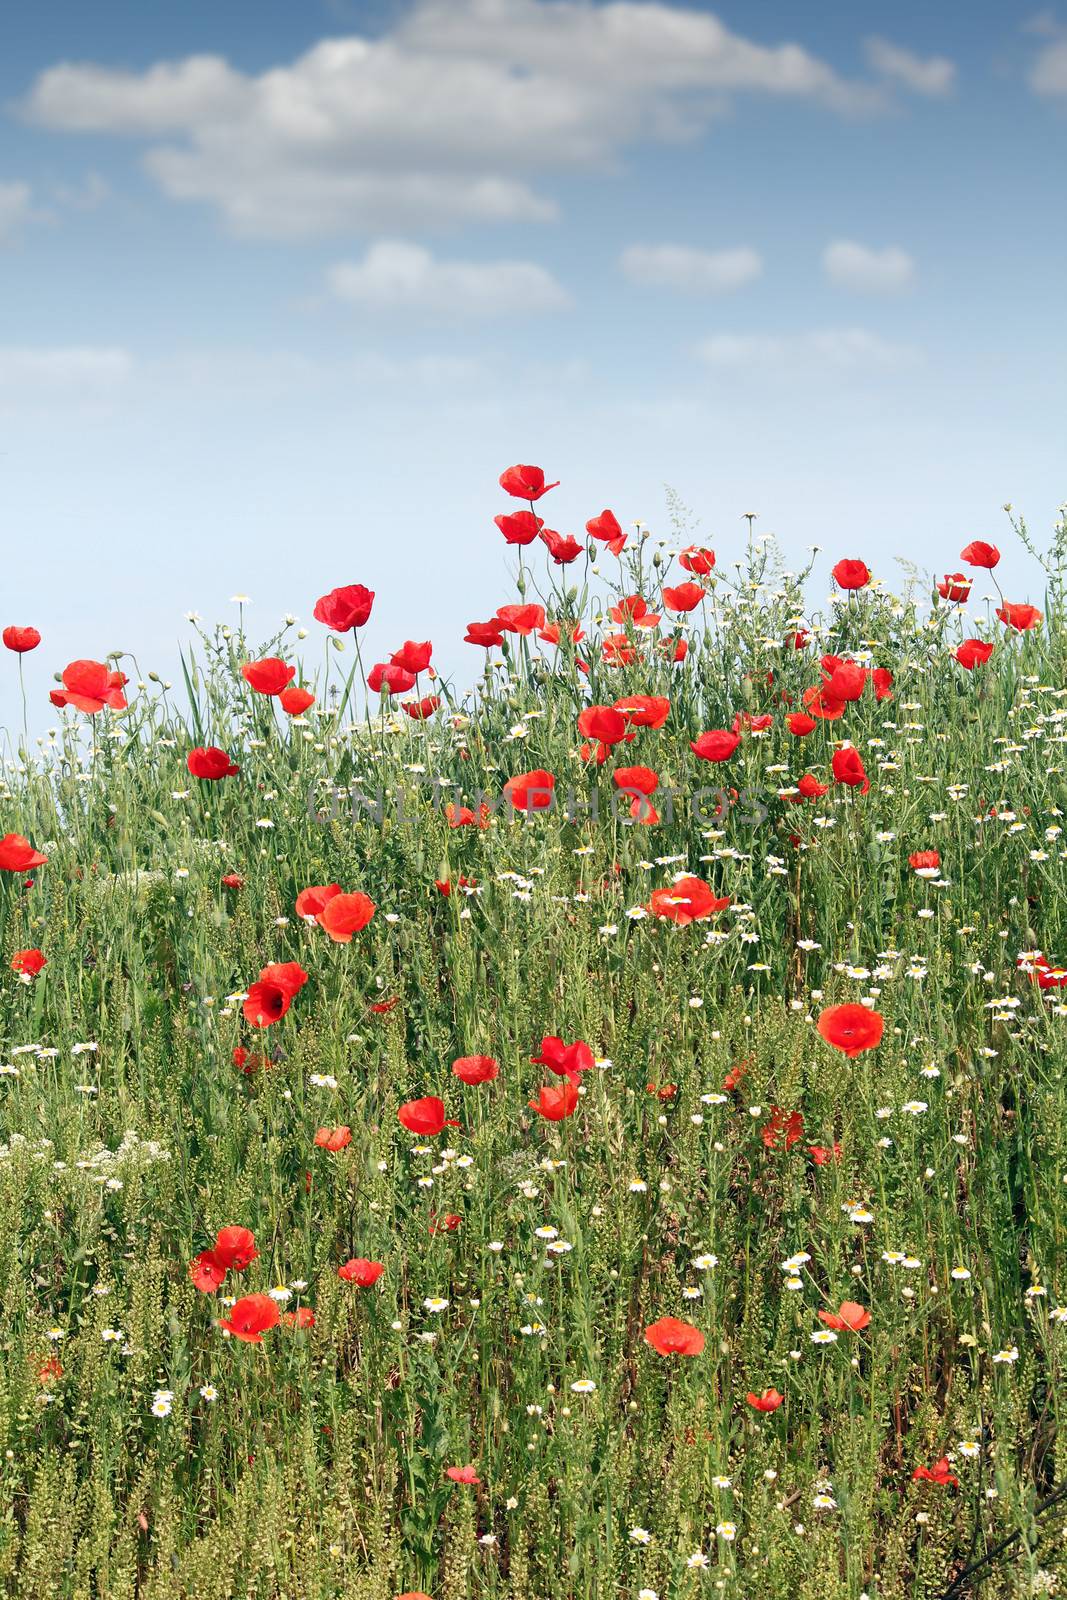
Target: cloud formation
{"type": "Point", "coordinates": [397, 276]}
{"type": "Point", "coordinates": [869, 271]}
{"type": "Point", "coordinates": [834, 351]}
{"type": "Point", "coordinates": [675, 266]}
{"type": "Point", "coordinates": [932, 75]}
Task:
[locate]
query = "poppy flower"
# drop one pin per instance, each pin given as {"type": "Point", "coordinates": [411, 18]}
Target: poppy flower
{"type": "Point", "coordinates": [847, 767]}
{"type": "Point", "coordinates": [799, 640]}
{"type": "Point", "coordinates": [249, 1062]}
{"type": "Point", "coordinates": [413, 656]}
{"type": "Point", "coordinates": [270, 997]}
{"type": "Point", "coordinates": [520, 619]}
{"type": "Point", "coordinates": [464, 816]}
{"type": "Point", "coordinates": [980, 554]}
{"type": "Point", "coordinates": [671, 1336]}
{"type": "Point", "coordinates": [421, 710]}
{"type": "Point", "coordinates": [618, 650]}
{"type": "Point", "coordinates": [846, 682]}
{"type": "Point", "coordinates": [882, 681]}
{"type": "Point", "coordinates": [644, 710]}
{"type": "Point", "coordinates": [636, 780]}
{"type": "Point", "coordinates": [425, 1116]}
{"type": "Point", "coordinates": [927, 863]}
{"type": "Point", "coordinates": [526, 483]}
{"type": "Point", "coordinates": [781, 1131]}
{"type": "Point", "coordinates": [551, 633]}
{"type": "Point", "coordinates": [251, 1318]}
{"type": "Point", "coordinates": [565, 1060]}
{"type": "Point", "coordinates": [487, 634]}
{"type": "Point", "coordinates": [603, 723]}
{"type": "Point", "coordinates": [414, 1594]}
{"type": "Point", "coordinates": [386, 677]}
{"type": "Point", "coordinates": [235, 1247]}
{"type": "Point", "coordinates": [346, 914]}
{"type": "Point", "coordinates": [363, 1273]}
{"type": "Point", "coordinates": [697, 559]}
{"type": "Point", "coordinates": [89, 686]}
{"type": "Point", "coordinates": [822, 1155]}
{"type": "Point", "coordinates": [717, 745]}
{"type": "Point", "coordinates": [688, 900]}
{"type": "Point", "coordinates": [18, 855]}
{"type": "Point", "coordinates": [851, 1028]}
{"type": "Point", "coordinates": [1049, 977]}
{"type": "Point", "coordinates": [769, 1400]}
{"type": "Point", "coordinates": [684, 597]}
{"type": "Point", "coordinates": [634, 608]}
{"type": "Point", "coordinates": [333, 1139]}
{"type": "Point", "coordinates": [294, 701]}
{"type": "Point", "coordinates": [823, 706]}
{"type": "Point", "coordinates": [473, 1070]}
{"type": "Point", "coordinates": [310, 902]}
{"type": "Point", "coordinates": [809, 787]}
{"type": "Point", "coordinates": [210, 763]}
{"type": "Point", "coordinates": [848, 1318]}
{"type": "Point", "coordinates": [1020, 617]}
{"type": "Point", "coordinates": [519, 527]}
{"type": "Point", "coordinates": [381, 1008]}
{"type": "Point", "coordinates": [531, 791]}
{"type": "Point", "coordinates": [28, 962]}
{"type": "Point", "coordinates": [851, 575]}
{"type": "Point", "coordinates": [21, 639]}
{"type": "Point", "coordinates": [555, 1105]}
{"type": "Point", "coordinates": [207, 1274]}
{"type": "Point", "coordinates": [269, 676]}
{"type": "Point", "coordinates": [974, 653]}
{"type": "Point", "coordinates": [955, 586]}
{"type": "Point", "coordinates": [563, 548]}
{"type": "Point", "coordinates": [302, 1317]}
{"type": "Point", "coordinates": [608, 530]}
{"type": "Point", "coordinates": [232, 880]}
{"type": "Point", "coordinates": [462, 1475]}
{"type": "Point", "coordinates": [800, 724]}
{"type": "Point", "coordinates": [345, 608]}
{"type": "Point", "coordinates": [940, 1472]}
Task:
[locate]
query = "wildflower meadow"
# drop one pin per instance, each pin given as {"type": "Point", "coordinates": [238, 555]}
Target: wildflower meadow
{"type": "Point", "coordinates": [598, 1133]}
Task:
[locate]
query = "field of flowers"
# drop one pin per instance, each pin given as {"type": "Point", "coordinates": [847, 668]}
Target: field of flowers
{"type": "Point", "coordinates": [600, 1134]}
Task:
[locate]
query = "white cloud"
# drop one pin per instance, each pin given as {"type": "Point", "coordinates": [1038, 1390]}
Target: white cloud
{"type": "Point", "coordinates": [15, 209]}
{"type": "Point", "coordinates": [1048, 74]}
{"type": "Point", "coordinates": [837, 351]}
{"type": "Point", "coordinates": [449, 117]}
{"type": "Point", "coordinates": [932, 75]}
{"type": "Point", "coordinates": [77, 374]}
{"type": "Point", "coordinates": [858, 266]}
{"type": "Point", "coordinates": [398, 276]}
{"type": "Point", "coordinates": [675, 266]}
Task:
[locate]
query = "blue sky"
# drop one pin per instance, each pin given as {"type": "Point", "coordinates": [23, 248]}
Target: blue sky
{"type": "Point", "coordinates": [284, 289]}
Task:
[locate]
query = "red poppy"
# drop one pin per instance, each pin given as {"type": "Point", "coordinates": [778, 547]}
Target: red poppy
{"type": "Point", "coordinates": [531, 791]}
{"type": "Point", "coordinates": [473, 1070]}
{"type": "Point", "coordinates": [798, 640]}
{"type": "Point", "coordinates": [425, 1117]}
{"type": "Point", "coordinates": [608, 530]}
{"type": "Point", "coordinates": [310, 902]}
{"type": "Point", "coordinates": [18, 855]}
{"type": "Point", "coordinates": [462, 1475]}
{"type": "Point", "coordinates": [232, 880]}
{"type": "Point", "coordinates": [822, 1155]}
{"type": "Point", "coordinates": [800, 724]}
{"type": "Point", "coordinates": [851, 1028]}
{"type": "Point", "coordinates": [671, 1336]}
{"type": "Point", "coordinates": [234, 1250]}
{"type": "Point", "coordinates": [551, 633]}
{"type": "Point", "coordinates": [618, 650]}
{"type": "Point", "coordinates": [955, 586]}
{"type": "Point", "coordinates": [717, 745]}
{"type": "Point", "coordinates": [421, 710]}
{"type": "Point", "coordinates": [520, 619]}
{"type": "Point", "coordinates": [249, 1063]}
{"type": "Point", "coordinates": [562, 547]}
{"type": "Point", "coordinates": [980, 554]}
{"type": "Point", "coordinates": [486, 634]}
{"type": "Point", "coordinates": [809, 787]}
{"type": "Point", "coordinates": [603, 723]}
{"type": "Point", "coordinates": [207, 1274]}
{"type": "Point", "coordinates": [270, 997]}
{"type": "Point", "coordinates": [251, 1318]}
{"type": "Point", "coordinates": [413, 656]}
{"type": "Point", "coordinates": [684, 597]}
{"type": "Point", "coordinates": [382, 1008]}
{"type": "Point", "coordinates": [294, 701]}
{"type": "Point", "coordinates": [823, 706]}
{"type": "Point", "coordinates": [89, 686]}
{"type": "Point", "coordinates": [847, 766]}
{"type": "Point", "coordinates": [927, 863]}
{"type": "Point", "coordinates": [21, 639]}
{"type": "Point", "coordinates": [781, 1131]}
{"type": "Point", "coordinates": [28, 962]}
{"type": "Point", "coordinates": [385, 676]}
{"type": "Point", "coordinates": [346, 914]}
{"type": "Point", "coordinates": [636, 780]}
{"type": "Point", "coordinates": [449, 1223]}
{"type": "Point", "coordinates": [769, 1400]}
{"type": "Point", "coordinates": [333, 1139]}
{"type": "Point", "coordinates": [519, 527]}
{"type": "Point", "coordinates": [687, 900]}
{"type": "Point", "coordinates": [363, 1273]}
{"type": "Point", "coordinates": [210, 763]}
{"type": "Point", "coordinates": [464, 817]}
{"type": "Point", "coordinates": [344, 608]}
{"type": "Point", "coordinates": [846, 681]}
{"type": "Point", "coordinates": [851, 575]}
{"type": "Point", "coordinates": [974, 653]}
{"type": "Point", "coordinates": [565, 1060]}
{"type": "Point", "coordinates": [1020, 617]}
{"type": "Point", "coordinates": [634, 608]}
{"type": "Point", "coordinates": [882, 679]}
{"type": "Point", "coordinates": [697, 559]}
{"type": "Point", "coordinates": [644, 710]}
{"type": "Point", "coordinates": [302, 1317]}
{"type": "Point", "coordinates": [848, 1318]}
{"type": "Point", "coordinates": [526, 483]}
{"type": "Point", "coordinates": [940, 1473]}
{"type": "Point", "coordinates": [269, 676]}
{"type": "Point", "coordinates": [555, 1105]}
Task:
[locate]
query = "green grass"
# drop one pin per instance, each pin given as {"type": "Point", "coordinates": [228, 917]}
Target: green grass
{"type": "Point", "coordinates": [319, 1469]}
